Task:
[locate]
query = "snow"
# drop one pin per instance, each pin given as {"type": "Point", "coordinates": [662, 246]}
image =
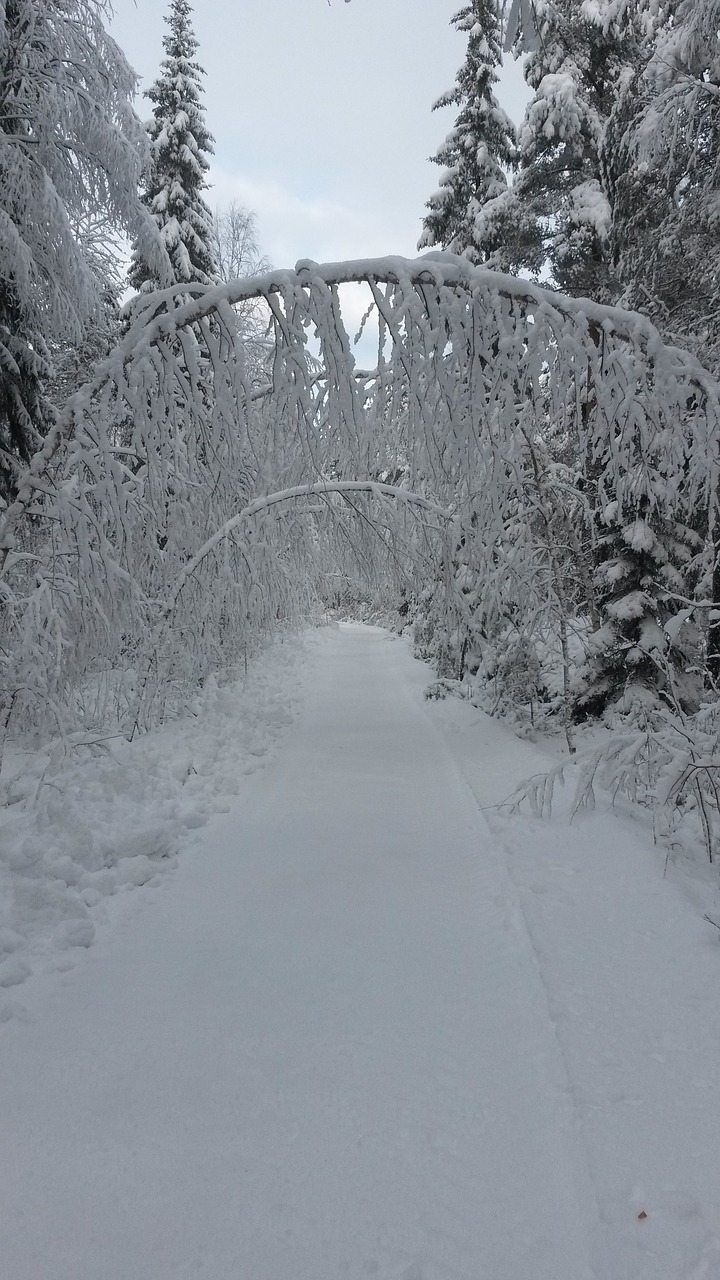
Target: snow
{"type": "Point", "coordinates": [554, 112]}
{"type": "Point", "coordinates": [591, 207]}
{"type": "Point", "coordinates": [82, 826]}
{"type": "Point", "coordinates": [368, 1026]}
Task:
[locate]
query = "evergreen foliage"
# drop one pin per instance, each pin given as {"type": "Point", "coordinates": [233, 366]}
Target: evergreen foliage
{"type": "Point", "coordinates": [615, 197]}
{"type": "Point", "coordinates": [663, 163]}
{"type": "Point", "coordinates": [646, 646]}
{"type": "Point", "coordinates": [472, 212]}
{"type": "Point", "coordinates": [578, 62]}
{"type": "Point", "coordinates": [180, 144]}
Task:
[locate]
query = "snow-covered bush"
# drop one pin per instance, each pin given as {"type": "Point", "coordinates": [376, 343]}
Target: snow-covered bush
{"type": "Point", "coordinates": [183, 508]}
{"type": "Point", "coordinates": [667, 763]}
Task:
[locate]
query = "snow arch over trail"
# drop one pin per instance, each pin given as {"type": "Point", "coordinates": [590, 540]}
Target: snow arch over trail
{"type": "Point", "coordinates": [206, 488]}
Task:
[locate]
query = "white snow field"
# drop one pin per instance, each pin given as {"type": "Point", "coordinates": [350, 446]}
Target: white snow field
{"type": "Point", "coordinates": [366, 1028]}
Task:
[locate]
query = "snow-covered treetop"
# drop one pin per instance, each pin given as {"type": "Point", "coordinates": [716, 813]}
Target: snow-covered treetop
{"type": "Point", "coordinates": [576, 66]}
{"type": "Point", "coordinates": [467, 213]}
{"type": "Point", "coordinates": [180, 146]}
{"type": "Point", "coordinates": [663, 175]}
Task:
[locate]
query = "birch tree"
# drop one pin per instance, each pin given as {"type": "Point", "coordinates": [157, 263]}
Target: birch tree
{"type": "Point", "coordinates": [71, 151]}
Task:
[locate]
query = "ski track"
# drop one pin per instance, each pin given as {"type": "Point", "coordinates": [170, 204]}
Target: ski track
{"type": "Point", "coordinates": [333, 1044]}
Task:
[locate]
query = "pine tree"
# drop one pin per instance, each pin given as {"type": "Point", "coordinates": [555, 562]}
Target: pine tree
{"type": "Point", "coordinates": [71, 149]}
{"type": "Point", "coordinates": [640, 653]}
{"type": "Point", "coordinates": [583, 61]}
{"type": "Point", "coordinates": [176, 178]}
{"type": "Point", "coordinates": [579, 60]}
{"type": "Point", "coordinates": [664, 172]}
{"type": "Point", "coordinates": [471, 213]}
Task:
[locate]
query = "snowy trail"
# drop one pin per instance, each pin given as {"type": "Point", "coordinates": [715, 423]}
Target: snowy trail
{"type": "Point", "coordinates": [322, 1049]}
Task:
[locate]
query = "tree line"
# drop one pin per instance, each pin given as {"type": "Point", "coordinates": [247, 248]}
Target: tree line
{"type": "Point", "coordinates": [609, 190]}
{"type": "Point", "coordinates": [576, 444]}
{"type": "Point", "coordinates": [610, 187]}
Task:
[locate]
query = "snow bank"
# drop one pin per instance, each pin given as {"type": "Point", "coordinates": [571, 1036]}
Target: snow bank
{"type": "Point", "coordinates": [76, 827]}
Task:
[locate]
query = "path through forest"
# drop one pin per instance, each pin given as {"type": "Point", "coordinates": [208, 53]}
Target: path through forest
{"type": "Point", "coordinates": [364, 1031]}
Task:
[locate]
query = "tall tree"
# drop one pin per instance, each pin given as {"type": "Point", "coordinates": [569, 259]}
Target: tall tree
{"type": "Point", "coordinates": [235, 243]}
{"type": "Point", "coordinates": [585, 63]}
{"type": "Point", "coordinates": [237, 253]}
{"type": "Point", "coordinates": [579, 58]}
{"type": "Point", "coordinates": [663, 162]}
{"type": "Point", "coordinates": [176, 177]}
{"type": "Point", "coordinates": [471, 213]}
{"type": "Point", "coordinates": [71, 151]}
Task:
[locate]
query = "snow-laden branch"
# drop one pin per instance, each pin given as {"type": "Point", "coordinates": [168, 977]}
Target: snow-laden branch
{"type": "Point", "coordinates": [160, 318]}
{"type": "Point", "coordinates": [324, 487]}
{"type": "Point", "coordinates": [445, 270]}
{"type": "Point", "coordinates": [187, 433]}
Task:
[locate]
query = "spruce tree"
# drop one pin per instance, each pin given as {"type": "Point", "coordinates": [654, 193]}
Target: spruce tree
{"type": "Point", "coordinates": [471, 213]}
{"type": "Point", "coordinates": [664, 175]}
{"type": "Point", "coordinates": [662, 153]}
{"type": "Point", "coordinates": [582, 60]}
{"type": "Point", "coordinates": [578, 62]}
{"type": "Point", "coordinates": [176, 177]}
{"type": "Point", "coordinates": [640, 653]}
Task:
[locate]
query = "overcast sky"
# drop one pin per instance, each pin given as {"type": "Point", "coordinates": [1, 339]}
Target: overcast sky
{"type": "Point", "coordinates": [321, 113]}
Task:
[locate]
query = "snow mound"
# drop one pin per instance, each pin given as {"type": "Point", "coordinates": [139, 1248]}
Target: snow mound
{"type": "Point", "coordinates": [79, 826]}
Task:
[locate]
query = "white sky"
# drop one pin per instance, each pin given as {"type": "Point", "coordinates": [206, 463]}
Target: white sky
{"type": "Point", "coordinates": [321, 113]}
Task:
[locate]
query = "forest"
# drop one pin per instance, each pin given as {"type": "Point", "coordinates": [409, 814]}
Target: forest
{"type": "Point", "coordinates": [527, 477]}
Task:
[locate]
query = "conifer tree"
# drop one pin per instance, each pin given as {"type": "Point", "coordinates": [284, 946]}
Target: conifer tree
{"type": "Point", "coordinates": [640, 653]}
{"type": "Point", "coordinates": [471, 213]}
{"type": "Point", "coordinates": [664, 179]}
{"type": "Point", "coordinates": [176, 177]}
{"type": "Point", "coordinates": [582, 60]}
{"type": "Point", "coordinates": [578, 62]}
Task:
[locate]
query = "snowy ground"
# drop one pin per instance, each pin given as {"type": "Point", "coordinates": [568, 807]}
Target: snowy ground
{"type": "Point", "coordinates": [79, 827]}
{"type": "Point", "coordinates": [366, 1027]}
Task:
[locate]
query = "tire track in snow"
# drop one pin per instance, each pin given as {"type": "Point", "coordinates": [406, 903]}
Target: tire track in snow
{"type": "Point", "coordinates": [503, 972]}
{"type": "Point", "coordinates": [501, 899]}
{"type": "Point", "coordinates": [630, 975]}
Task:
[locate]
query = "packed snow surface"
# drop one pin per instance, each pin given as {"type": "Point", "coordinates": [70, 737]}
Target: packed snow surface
{"type": "Point", "coordinates": [369, 1027]}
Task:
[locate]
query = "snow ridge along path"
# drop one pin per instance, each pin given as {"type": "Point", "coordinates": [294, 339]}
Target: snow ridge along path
{"type": "Point", "coordinates": [330, 1046]}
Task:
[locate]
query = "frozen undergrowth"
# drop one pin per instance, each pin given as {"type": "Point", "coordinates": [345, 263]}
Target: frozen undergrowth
{"type": "Point", "coordinates": [660, 769]}
{"type": "Point", "coordinates": [75, 830]}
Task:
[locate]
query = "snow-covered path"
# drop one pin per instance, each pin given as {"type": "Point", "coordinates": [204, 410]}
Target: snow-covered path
{"type": "Point", "coordinates": [323, 1049]}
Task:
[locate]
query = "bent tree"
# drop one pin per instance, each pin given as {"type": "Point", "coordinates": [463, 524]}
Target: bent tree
{"type": "Point", "coordinates": [189, 502]}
